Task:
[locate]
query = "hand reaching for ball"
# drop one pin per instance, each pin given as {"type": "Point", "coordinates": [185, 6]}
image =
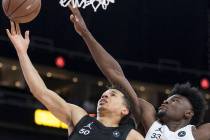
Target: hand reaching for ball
{"type": "Point", "coordinates": [78, 21]}
{"type": "Point", "coordinates": [20, 43]}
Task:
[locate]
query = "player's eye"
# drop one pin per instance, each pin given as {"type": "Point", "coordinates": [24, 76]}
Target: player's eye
{"type": "Point", "coordinates": [174, 100]}
{"type": "Point", "coordinates": [112, 94]}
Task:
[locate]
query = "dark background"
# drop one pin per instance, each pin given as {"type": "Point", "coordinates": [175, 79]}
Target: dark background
{"type": "Point", "coordinates": [141, 30]}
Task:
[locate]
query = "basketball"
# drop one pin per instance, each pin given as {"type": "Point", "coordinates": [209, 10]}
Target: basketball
{"type": "Point", "coordinates": [21, 11]}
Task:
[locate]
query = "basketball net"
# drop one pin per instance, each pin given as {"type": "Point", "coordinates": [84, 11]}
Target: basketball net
{"type": "Point", "coordinates": [84, 3]}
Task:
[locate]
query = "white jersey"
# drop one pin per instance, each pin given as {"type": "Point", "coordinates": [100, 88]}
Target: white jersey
{"type": "Point", "coordinates": [157, 130]}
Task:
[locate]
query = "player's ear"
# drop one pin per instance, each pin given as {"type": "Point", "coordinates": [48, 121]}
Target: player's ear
{"type": "Point", "coordinates": [125, 111]}
{"type": "Point", "coordinates": [189, 114]}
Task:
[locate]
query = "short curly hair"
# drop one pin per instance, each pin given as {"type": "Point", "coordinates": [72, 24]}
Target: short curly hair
{"type": "Point", "coordinates": [196, 99]}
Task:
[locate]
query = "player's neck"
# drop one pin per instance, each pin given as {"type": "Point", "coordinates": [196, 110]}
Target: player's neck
{"type": "Point", "coordinates": [175, 125]}
{"type": "Point", "coordinates": [108, 121]}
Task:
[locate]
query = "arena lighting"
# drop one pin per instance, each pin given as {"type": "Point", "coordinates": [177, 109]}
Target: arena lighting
{"type": "Point", "coordinates": [204, 83]}
{"type": "Point", "coordinates": [45, 118]}
{"type": "Point", "coordinates": [167, 91]}
{"type": "Point", "coordinates": [14, 68]}
{"type": "Point", "coordinates": [75, 79]}
{"type": "Point", "coordinates": [60, 61]}
{"type": "Point", "coordinates": [100, 83]}
{"type": "Point", "coordinates": [49, 74]}
{"type": "Point", "coordinates": [18, 84]}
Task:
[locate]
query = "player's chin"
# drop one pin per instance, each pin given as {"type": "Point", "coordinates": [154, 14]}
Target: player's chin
{"type": "Point", "coordinates": [161, 113]}
{"type": "Point", "coordinates": [100, 107]}
{"type": "Point", "coordinates": [102, 110]}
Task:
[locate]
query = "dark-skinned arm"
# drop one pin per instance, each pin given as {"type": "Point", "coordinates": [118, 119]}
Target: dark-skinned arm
{"type": "Point", "coordinates": [108, 65]}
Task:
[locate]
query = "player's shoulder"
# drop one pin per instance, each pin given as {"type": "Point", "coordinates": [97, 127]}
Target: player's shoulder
{"type": "Point", "coordinates": [134, 135]}
{"type": "Point", "coordinates": [204, 127]}
{"type": "Point", "coordinates": [202, 132]}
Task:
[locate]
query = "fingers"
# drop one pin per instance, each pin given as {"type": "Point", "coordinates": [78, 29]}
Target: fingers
{"type": "Point", "coordinates": [13, 31]}
{"type": "Point", "coordinates": [27, 35]}
{"type": "Point", "coordinates": [76, 19]}
{"type": "Point", "coordinates": [70, 7]}
{"type": "Point", "coordinates": [75, 10]}
{"type": "Point", "coordinates": [8, 33]}
{"type": "Point", "coordinates": [72, 18]}
{"type": "Point", "coordinates": [17, 28]}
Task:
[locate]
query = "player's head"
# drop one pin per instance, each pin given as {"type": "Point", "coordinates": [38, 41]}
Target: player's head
{"type": "Point", "coordinates": [113, 102]}
{"type": "Point", "coordinates": [185, 103]}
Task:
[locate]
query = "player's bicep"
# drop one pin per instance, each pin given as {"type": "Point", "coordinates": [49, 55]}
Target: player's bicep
{"type": "Point", "coordinates": [134, 135]}
{"type": "Point", "coordinates": [59, 107]}
{"type": "Point", "coordinates": [148, 114]}
{"type": "Point", "coordinates": [143, 111]}
{"type": "Point", "coordinates": [56, 105]}
{"type": "Point", "coordinates": [77, 113]}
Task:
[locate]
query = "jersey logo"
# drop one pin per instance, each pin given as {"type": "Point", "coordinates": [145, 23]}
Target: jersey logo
{"type": "Point", "coordinates": [89, 125]}
{"type": "Point", "coordinates": [116, 134]}
{"type": "Point", "coordinates": [159, 129]}
{"type": "Point", "coordinates": [181, 133]}
{"type": "Point", "coordinates": [86, 129]}
{"type": "Point", "coordinates": [157, 134]}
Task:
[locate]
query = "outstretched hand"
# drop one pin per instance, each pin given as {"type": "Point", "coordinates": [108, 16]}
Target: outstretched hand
{"type": "Point", "coordinates": [20, 43]}
{"type": "Point", "coordinates": [78, 21]}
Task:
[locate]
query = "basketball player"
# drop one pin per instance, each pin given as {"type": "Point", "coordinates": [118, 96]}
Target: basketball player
{"type": "Point", "coordinates": [179, 116]}
{"type": "Point", "coordinates": [112, 106]}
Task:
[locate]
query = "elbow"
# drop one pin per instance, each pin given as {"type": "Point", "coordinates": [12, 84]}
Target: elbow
{"type": "Point", "coordinates": [114, 73]}
{"type": "Point", "coordinates": [38, 92]}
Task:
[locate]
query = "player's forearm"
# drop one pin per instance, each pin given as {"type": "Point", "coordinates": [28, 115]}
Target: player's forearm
{"type": "Point", "coordinates": [111, 69]}
{"type": "Point", "coordinates": [31, 75]}
{"type": "Point", "coordinates": [48, 98]}
{"type": "Point", "coordinates": [103, 59]}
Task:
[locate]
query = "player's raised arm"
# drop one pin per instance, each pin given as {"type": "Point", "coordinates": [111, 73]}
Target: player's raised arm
{"type": "Point", "coordinates": [62, 110]}
{"type": "Point", "coordinates": [107, 64]}
{"type": "Point", "coordinates": [111, 69]}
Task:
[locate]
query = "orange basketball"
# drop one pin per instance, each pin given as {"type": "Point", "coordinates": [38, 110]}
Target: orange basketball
{"type": "Point", "coordinates": [21, 11]}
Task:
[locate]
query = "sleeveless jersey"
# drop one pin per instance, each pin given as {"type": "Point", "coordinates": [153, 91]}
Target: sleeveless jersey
{"type": "Point", "coordinates": [89, 128]}
{"type": "Point", "coordinates": [157, 130]}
